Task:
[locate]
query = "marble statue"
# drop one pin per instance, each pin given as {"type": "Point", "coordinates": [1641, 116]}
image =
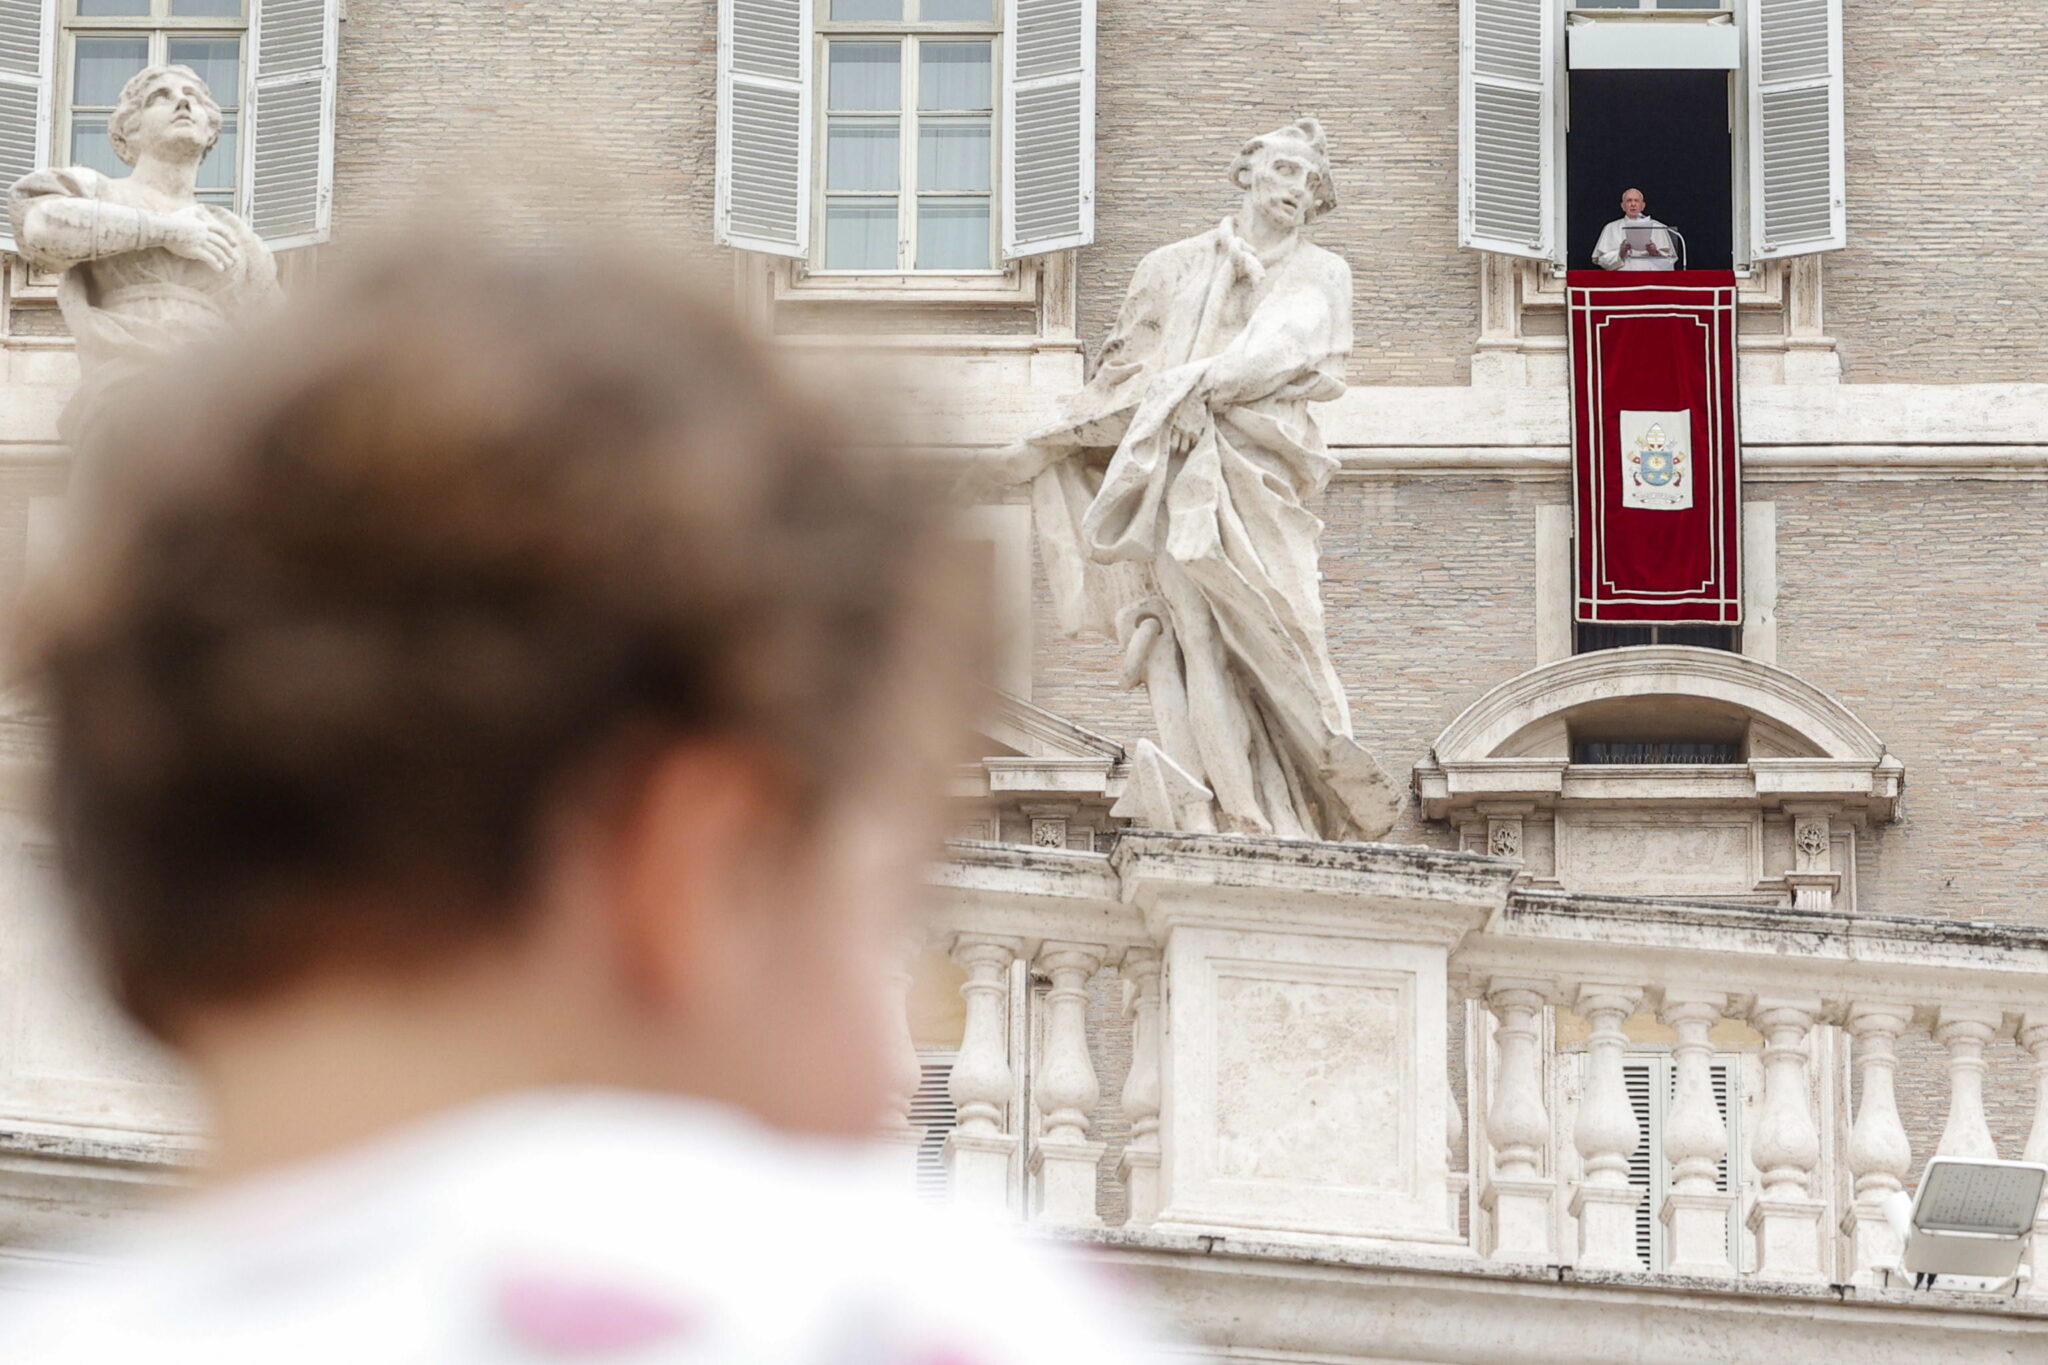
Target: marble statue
{"type": "Point", "coordinates": [1170, 502]}
{"type": "Point", "coordinates": [145, 266]}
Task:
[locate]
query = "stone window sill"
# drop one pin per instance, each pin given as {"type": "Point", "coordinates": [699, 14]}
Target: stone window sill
{"type": "Point", "coordinates": [797, 282]}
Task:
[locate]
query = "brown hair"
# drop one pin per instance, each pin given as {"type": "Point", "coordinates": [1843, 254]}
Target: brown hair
{"type": "Point", "coordinates": [366, 588]}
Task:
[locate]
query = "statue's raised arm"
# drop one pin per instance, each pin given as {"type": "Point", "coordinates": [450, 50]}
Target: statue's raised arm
{"type": "Point", "coordinates": [145, 265]}
{"type": "Point", "coordinates": [1170, 502]}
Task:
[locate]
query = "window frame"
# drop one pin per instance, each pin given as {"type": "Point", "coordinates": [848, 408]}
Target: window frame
{"type": "Point", "coordinates": [999, 277]}
{"type": "Point", "coordinates": [159, 26]}
{"type": "Point", "coordinates": [1733, 12]}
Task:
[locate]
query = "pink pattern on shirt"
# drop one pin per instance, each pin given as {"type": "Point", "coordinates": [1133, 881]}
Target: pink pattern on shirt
{"type": "Point", "coordinates": [580, 1318]}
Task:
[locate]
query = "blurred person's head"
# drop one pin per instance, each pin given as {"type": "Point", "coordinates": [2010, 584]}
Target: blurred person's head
{"type": "Point", "coordinates": [502, 641]}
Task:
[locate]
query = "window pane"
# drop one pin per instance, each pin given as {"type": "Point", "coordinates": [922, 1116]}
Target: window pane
{"type": "Point", "coordinates": [207, 9]}
{"type": "Point", "coordinates": [865, 76]}
{"type": "Point", "coordinates": [952, 154]}
{"type": "Point", "coordinates": [861, 154]}
{"type": "Point", "coordinates": [112, 9]}
{"type": "Point", "coordinates": [953, 76]}
{"type": "Point", "coordinates": [1694, 4]}
{"type": "Point", "coordinates": [218, 62]}
{"type": "Point", "coordinates": [217, 172]}
{"type": "Point", "coordinates": [955, 11]}
{"type": "Point", "coordinates": [104, 66]}
{"type": "Point", "coordinates": [89, 145]}
{"type": "Point", "coordinates": [860, 234]}
{"type": "Point", "coordinates": [952, 234]}
{"type": "Point", "coordinates": [890, 10]}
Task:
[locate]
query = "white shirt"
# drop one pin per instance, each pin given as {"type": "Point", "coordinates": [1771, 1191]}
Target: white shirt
{"type": "Point", "coordinates": [584, 1226]}
{"type": "Point", "coordinates": [1607, 251]}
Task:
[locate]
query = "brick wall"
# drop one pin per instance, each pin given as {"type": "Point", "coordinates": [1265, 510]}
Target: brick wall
{"type": "Point", "coordinates": [589, 112]}
{"type": "Point", "coordinates": [1946, 275]}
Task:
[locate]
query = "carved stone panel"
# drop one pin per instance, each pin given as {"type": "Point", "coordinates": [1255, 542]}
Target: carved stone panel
{"type": "Point", "coordinates": [1704, 853]}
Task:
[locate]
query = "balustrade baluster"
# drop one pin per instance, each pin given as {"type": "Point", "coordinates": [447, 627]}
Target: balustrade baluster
{"type": "Point", "coordinates": [1064, 1160]}
{"type": "Point", "coordinates": [1139, 1165]}
{"type": "Point", "coordinates": [1786, 1217]}
{"type": "Point", "coordinates": [1457, 1179]}
{"type": "Point", "coordinates": [1606, 1135]}
{"type": "Point", "coordinates": [2033, 1036]}
{"type": "Point", "coordinates": [1519, 1195]}
{"type": "Point", "coordinates": [1879, 1153]}
{"type": "Point", "coordinates": [981, 1146]}
{"type": "Point", "coordinates": [1965, 1031]}
{"type": "Point", "coordinates": [1695, 1212]}
{"type": "Point", "coordinates": [906, 1068]}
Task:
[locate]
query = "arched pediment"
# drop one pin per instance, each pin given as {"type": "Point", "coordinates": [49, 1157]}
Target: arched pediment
{"type": "Point", "coordinates": [1801, 719]}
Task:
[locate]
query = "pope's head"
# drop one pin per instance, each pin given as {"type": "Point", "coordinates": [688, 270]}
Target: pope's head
{"type": "Point", "coordinates": [1633, 203]}
{"type": "Point", "coordinates": [1285, 175]}
{"type": "Point", "coordinates": [164, 112]}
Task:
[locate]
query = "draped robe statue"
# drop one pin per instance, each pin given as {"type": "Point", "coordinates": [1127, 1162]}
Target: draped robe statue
{"type": "Point", "coordinates": [1170, 503]}
{"type": "Point", "coordinates": [145, 265]}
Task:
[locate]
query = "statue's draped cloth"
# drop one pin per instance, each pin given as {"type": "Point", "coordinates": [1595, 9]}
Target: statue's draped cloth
{"type": "Point", "coordinates": [127, 312]}
{"type": "Point", "coordinates": [1217, 543]}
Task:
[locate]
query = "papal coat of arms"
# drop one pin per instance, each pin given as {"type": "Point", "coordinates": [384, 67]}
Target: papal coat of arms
{"type": "Point", "coordinates": [1656, 467]}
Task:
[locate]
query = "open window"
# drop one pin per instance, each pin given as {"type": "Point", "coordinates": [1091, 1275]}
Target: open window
{"type": "Point", "coordinates": [906, 137]}
{"type": "Point", "coordinates": [1732, 115]}
{"type": "Point", "coordinates": [269, 63]}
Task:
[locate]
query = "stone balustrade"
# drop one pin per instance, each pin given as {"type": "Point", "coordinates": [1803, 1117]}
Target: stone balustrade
{"type": "Point", "coordinates": [1292, 1017]}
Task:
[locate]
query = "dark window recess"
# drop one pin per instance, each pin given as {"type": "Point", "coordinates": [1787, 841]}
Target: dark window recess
{"type": "Point", "coordinates": [1589, 636]}
{"type": "Point", "coordinates": [1657, 751]}
{"type": "Point", "coordinates": [1664, 133]}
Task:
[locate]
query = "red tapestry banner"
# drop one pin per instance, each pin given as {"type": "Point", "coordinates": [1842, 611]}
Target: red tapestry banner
{"type": "Point", "coordinates": [1656, 469]}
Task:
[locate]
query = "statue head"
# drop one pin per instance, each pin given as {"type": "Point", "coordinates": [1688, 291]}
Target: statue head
{"type": "Point", "coordinates": [1285, 174]}
{"type": "Point", "coordinates": [165, 110]}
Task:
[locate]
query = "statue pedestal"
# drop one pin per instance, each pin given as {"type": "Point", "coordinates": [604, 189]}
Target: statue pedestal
{"type": "Point", "coordinates": [1307, 1079]}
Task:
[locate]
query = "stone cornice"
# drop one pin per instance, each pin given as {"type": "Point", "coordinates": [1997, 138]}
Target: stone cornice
{"type": "Point", "coordinates": [1363, 1305]}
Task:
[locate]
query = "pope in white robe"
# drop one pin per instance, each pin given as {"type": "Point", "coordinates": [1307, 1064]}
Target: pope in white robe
{"type": "Point", "coordinates": [1170, 506]}
{"type": "Point", "coordinates": [1614, 251]}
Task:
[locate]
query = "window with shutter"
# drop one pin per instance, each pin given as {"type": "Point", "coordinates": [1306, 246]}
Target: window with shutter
{"type": "Point", "coordinates": [1049, 108]}
{"type": "Point", "coordinates": [1508, 172]}
{"type": "Point", "coordinates": [25, 85]}
{"type": "Point", "coordinates": [1651, 1078]}
{"type": "Point", "coordinates": [908, 174]}
{"type": "Point", "coordinates": [290, 161]}
{"type": "Point", "coordinates": [270, 67]}
{"type": "Point", "coordinates": [1794, 77]}
{"type": "Point", "coordinates": [932, 1112]}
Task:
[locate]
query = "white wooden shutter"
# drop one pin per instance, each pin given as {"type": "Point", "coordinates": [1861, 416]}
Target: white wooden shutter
{"type": "Point", "coordinates": [26, 41]}
{"type": "Point", "coordinates": [933, 1114]}
{"type": "Point", "coordinates": [1048, 125]}
{"type": "Point", "coordinates": [1648, 1082]}
{"type": "Point", "coordinates": [1507, 126]}
{"type": "Point", "coordinates": [764, 125]}
{"type": "Point", "coordinates": [1651, 1080]}
{"type": "Point", "coordinates": [288, 155]}
{"type": "Point", "coordinates": [1794, 75]}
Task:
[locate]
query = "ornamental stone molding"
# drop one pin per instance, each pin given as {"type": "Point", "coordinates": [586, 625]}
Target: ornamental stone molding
{"type": "Point", "coordinates": [1776, 825]}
